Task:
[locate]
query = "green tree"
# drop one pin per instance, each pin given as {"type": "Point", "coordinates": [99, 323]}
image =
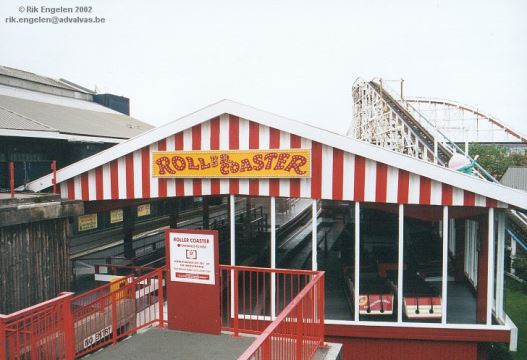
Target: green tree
{"type": "Point", "coordinates": [493, 158]}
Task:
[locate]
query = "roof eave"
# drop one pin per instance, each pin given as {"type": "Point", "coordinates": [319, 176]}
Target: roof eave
{"type": "Point", "coordinates": [376, 153]}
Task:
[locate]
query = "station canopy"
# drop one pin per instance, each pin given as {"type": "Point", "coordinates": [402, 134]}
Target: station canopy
{"type": "Point", "coordinates": [231, 148]}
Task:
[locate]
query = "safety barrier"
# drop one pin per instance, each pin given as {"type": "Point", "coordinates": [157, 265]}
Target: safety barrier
{"type": "Point", "coordinates": [38, 332]}
{"type": "Point", "coordinates": [116, 310]}
{"type": "Point", "coordinates": [70, 326]}
{"type": "Point", "coordinates": [251, 298]}
{"type": "Point", "coordinates": [298, 331]}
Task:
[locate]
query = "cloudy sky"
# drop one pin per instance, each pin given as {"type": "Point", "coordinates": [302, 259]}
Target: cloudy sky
{"type": "Point", "coordinates": [295, 58]}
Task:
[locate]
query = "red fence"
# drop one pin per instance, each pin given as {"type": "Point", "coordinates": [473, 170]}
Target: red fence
{"type": "Point", "coordinates": [116, 310]}
{"type": "Point", "coordinates": [71, 326]}
{"type": "Point", "coordinates": [250, 302]}
{"type": "Point", "coordinates": [38, 332]}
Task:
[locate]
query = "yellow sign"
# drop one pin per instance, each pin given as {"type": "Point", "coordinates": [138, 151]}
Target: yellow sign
{"type": "Point", "coordinates": [143, 210]}
{"type": "Point", "coordinates": [292, 163]}
{"type": "Point", "coordinates": [87, 222]}
{"type": "Point", "coordinates": [116, 216]}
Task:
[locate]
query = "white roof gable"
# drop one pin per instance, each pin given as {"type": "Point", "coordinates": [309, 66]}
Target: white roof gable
{"type": "Point", "coordinates": [357, 147]}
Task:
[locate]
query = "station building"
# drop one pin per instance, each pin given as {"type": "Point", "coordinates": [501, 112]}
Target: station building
{"type": "Point", "coordinates": [412, 252]}
{"type": "Point", "coordinates": [44, 119]}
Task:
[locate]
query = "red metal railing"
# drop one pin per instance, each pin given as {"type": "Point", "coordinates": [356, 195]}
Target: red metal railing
{"type": "Point", "coordinates": [251, 298]}
{"type": "Point", "coordinates": [118, 309]}
{"type": "Point", "coordinates": [298, 331]}
{"type": "Point", "coordinates": [40, 331]}
{"type": "Point", "coordinates": [71, 326]}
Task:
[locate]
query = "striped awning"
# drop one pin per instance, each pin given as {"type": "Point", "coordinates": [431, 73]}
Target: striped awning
{"type": "Point", "coordinates": [336, 174]}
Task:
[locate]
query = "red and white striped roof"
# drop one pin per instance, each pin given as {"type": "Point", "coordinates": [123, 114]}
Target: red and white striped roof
{"type": "Point", "coordinates": [342, 168]}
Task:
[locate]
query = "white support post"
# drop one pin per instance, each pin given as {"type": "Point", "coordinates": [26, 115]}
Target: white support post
{"type": "Point", "coordinates": [314, 236]}
{"type": "Point", "coordinates": [357, 262]}
{"type": "Point", "coordinates": [500, 270]}
{"type": "Point", "coordinates": [273, 257]}
{"type": "Point", "coordinates": [400, 266]}
{"type": "Point", "coordinates": [444, 275]}
{"type": "Point", "coordinates": [232, 218]}
{"type": "Point", "coordinates": [233, 228]}
{"type": "Point", "coordinates": [490, 268]}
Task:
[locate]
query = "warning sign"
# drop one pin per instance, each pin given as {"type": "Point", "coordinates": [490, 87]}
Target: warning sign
{"type": "Point", "coordinates": [116, 216]}
{"type": "Point", "coordinates": [192, 258]}
{"type": "Point", "coordinates": [87, 222]}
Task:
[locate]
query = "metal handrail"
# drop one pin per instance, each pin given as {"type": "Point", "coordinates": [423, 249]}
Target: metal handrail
{"type": "Point", "coordinates": [265, 336]}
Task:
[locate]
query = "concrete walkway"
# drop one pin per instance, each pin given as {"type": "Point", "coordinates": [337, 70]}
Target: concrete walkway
{"type": "Point", "coordinates": [174, 345]}
{"type": "Point", "coordinates": [177, 345]}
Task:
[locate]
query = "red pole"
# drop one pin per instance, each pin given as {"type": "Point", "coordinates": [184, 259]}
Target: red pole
{"type": "Point", "coordinates": [69, 329]}
{"type": "Point", "coordinates": [160, 294]}
{"type": "Point", "coordinates": [54, 176]}
{"type": "Point", "coordinates": [267, 350]}
{"type": "Point", "coordinates": [12, 178]}
{"type": "Point", "coordinates": [3, 342]}
{"type": "Point", "coordinates": [321, 309]}
{"type": "Point", "coordinates": [114, 318]}
{"type": "Point", "coordinates": [299, 323]}
{"type": "Point", "coordinates": [235, 286]}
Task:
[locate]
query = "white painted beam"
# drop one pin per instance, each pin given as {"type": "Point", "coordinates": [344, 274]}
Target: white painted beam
{"type": "Point", "coordinates": [314, 236]}
{"type": "Point", "coordinates": [500, 266]}
{"type": "Point", "coordinates": [400, 265]}
{"type": "Point", "coordinates": [273, 257]}
{"type": "Point", "coordinates": [490, 268]}
{"type": "Point", "coordinates": [444, 275]}
{"type": "Point", "coordinates": [357, 262]}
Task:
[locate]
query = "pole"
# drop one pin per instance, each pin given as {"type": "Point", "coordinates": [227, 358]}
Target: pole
{"type": "Point", "coordinates": [402, 87]}
{"type": "Point", "coordinates": [54, 176]}
{"type": "Point", "coordinates": [273, 257]}
{"type": "Point", "coordinates": [69, 331]}
{"type": "Point", "coordinates": [357, 262]}
{"type": "Point", "coordinates": [400, 265]}
{"type": "Point", "coordinates": [12, 178]}
{"type": "Point", "coordinates": [3, 342]}
{"type": "Point", "coordinates": [490, 268]}
{"type": "Point", "coordinates": [321, 308]}
{"type": "Point", "coordinates": [500, 266]}
{"type": "Point", "coordinates": [314, 235]}
{"type": "Point", "coordinates": [114, 317]}
{"type": "Point", "coordinates": [299, 324]}
{"type": "Point", "coordinates": [161, 297]}
{"type": "Point", "coordinates": [444, 277]}
{"type": "Point", "coordinates": [236, 312]}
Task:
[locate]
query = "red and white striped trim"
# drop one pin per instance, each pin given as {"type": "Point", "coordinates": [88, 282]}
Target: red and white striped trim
{"type": "Point", "coordinates": [336, 174]}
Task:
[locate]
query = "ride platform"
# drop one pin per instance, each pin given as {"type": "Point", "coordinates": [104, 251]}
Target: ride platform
{"type": "Point", "coordinates": [164, 344]}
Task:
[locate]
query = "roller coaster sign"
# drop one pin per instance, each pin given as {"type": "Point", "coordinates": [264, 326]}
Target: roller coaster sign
{"type": "Point", "coordinates": [291, 163]}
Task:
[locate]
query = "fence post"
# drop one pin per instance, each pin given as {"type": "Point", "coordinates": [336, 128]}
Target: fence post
{"type": "Point", "coordinates": [69, 328]}
{"type": "Point", "coordinates": [3, 342]}
{"type": "Point", "coordinates": [12, 178]}
{"type": "Point", "coordinates": [114, 317]}
{"type": "Point", "coordinates": [236, 312]}
{"type": "Point", "coordinates": [160, 294]}
{"type": "Point", "coordinates": [54, 175]}
{"type": "Point", "coordinates": [299, 324]}
{"type": "Point", "coordinates": [267, 349]}
{"type": "Point", "coordinates": [321, 309]}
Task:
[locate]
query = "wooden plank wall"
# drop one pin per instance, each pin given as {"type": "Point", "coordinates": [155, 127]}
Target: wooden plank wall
{"type": "Point", "coordinates": [34, 263]}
